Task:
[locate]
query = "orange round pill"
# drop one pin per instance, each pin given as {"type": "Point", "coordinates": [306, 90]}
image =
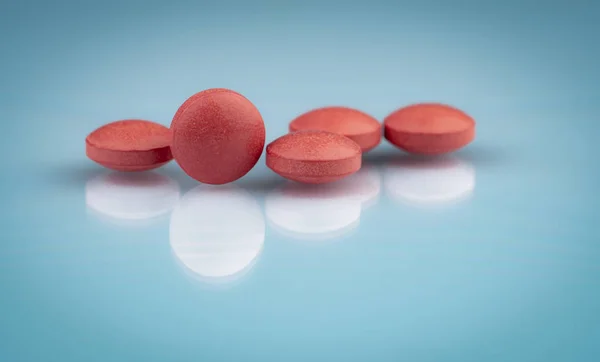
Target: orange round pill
{"type": "Point", "coordinates": [130, 145]}
{"type": "Point", "coordinates": [429, 128]}
{"type": "Point", "coordinates": [352, 123]}
{"type": "Point", "coordinates": [314, 156]}
{"type": "Point", "coordinates": [218, 136]}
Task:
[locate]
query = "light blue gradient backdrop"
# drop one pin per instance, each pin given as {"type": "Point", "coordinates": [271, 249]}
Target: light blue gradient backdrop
{"type": "Point", "coordinates": [510, 273]}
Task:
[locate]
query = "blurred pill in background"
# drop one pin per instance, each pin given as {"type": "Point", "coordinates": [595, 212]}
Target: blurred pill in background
{"type": "Point", "coordinates": [429, 129]}
{"type": "Point", "coordinates": [352, 123]}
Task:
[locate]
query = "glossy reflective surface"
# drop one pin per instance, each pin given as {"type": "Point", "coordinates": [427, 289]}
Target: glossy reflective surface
{"type": "Point", "coordinates": [489, 254]}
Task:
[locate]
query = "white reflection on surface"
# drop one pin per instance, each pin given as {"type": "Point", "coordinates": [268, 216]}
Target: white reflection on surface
{"type": "Point", "coordinates": [131, 196]}
{"type": "Point", "coordinates": [322, 211]}
{"type": "Point", "coordinates": [433, 181]}
{"type": "Point", "coordinates": [364, 186]}
{"type": "Point", "coordinates": [217, 232]}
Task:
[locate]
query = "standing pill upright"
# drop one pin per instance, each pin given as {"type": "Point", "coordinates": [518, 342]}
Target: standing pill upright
{"type": "Point", "coordinates": [218, 136]}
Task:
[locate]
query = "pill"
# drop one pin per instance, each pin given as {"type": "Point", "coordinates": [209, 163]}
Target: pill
{"type": "Point", "coordinates": [191, 100]}
{"type": "Point", "coordinates": [130, 145]}
{"type": "Point", "coordinates": [314, 156]}
{"type": "Point", "coordinates": [352, 123]}
{"type": "Point", "coordinates": [218, 136]}
{"type": "Point", "coordinates": [429, 128]}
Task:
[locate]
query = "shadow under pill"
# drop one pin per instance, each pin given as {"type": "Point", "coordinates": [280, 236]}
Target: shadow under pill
{"type": "Point", "coordinates": [381, 157]}
{"type": "Point", "coordinates": [262, 184]}
{"type": "Point", "coordinates": [478, 155]}
{"type": "Point", "coordinates": [485, 156]}
{"type": "Point", "coordinates": [71, 176]}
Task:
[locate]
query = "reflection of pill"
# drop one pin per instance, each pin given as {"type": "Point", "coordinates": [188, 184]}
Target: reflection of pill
{"type": "Point", "coordinates": [429, 181]}
{"type": "Point", "coordinates": [130, 145]}
{"type": "Point", "coordinates": [218, 136]}
{"type": "Point", "coordinates": [429, 128]}
{"type": "Point", "coordinates": [354, 124]}
{"type": "Point", "coordinates": [209, 247]}
{"type": "Point", "coordinates": [131, 196]}
{"type": "Point", "coordinates": [314, 156]}
{"type": "Point", "coordinates": [313, 211]}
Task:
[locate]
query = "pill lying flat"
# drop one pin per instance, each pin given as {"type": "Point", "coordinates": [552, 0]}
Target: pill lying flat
{"type": "Point", "coordinates": [218, 136]}
{"type": "Point", "coordinates": [130, 145]}
{"type": "Point", "coordinates": [314, 156]}
{"type": "Point", "coordinates": [352, 123]}
{"type": "Point", "coordinates": [429, 128]}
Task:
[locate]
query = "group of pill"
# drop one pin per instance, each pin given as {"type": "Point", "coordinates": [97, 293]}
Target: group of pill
{"type": "Point", "coordinates": [217, 136]}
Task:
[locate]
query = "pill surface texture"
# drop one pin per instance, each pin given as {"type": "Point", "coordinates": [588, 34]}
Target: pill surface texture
{"type": "Point", "coordinates": [218, 136]}
{"type": "Point", "coordinates": [354, 124]}
{"type": "Point", "coordinates": [429, 128]}
{"type": "Point", "coordinates": [130, 145]}
{"type": "Point", "coordinates": [314, 156]}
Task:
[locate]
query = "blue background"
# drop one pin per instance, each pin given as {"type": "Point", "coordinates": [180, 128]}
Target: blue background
{"type": "Point", "coordinates": [504, 268]}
